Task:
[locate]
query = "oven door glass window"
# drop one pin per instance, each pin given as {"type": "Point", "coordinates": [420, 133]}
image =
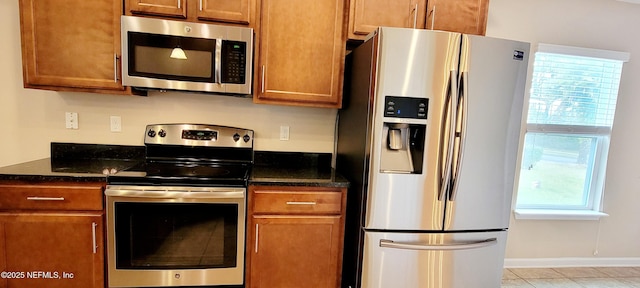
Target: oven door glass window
{"type": "Point", "coordinates": [175, 235]}
{"type": "Point", "coordinates": [171, 57]}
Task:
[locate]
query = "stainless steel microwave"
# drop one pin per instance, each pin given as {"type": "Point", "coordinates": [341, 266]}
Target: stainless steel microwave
{"type": "Point", "coordinates": [176, 55]}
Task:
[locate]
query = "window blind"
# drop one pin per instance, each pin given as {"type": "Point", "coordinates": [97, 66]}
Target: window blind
{"type": "Point", "coordinates": [573, 90]}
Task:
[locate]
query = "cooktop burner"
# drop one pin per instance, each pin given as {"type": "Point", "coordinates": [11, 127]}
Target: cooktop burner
{"type": "Point", "coordinates": [183, 174]}
{"type": "Point", "coordinates": [192, 154]}
{"type": "Point", "coordinates": [192, 170]}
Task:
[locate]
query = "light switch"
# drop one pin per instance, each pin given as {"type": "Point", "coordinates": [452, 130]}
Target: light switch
{"type": "Point", "coordinates": [116, 124]}
{"type": "Point", "coordinates": [284, 132]}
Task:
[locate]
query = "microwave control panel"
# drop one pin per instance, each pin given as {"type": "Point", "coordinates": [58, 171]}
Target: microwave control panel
{"type": "Point", "coordinates": [234, 55]}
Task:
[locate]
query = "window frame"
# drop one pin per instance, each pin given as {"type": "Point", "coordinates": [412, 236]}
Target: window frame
{"type": "Point", "coordinates": [593, 209]}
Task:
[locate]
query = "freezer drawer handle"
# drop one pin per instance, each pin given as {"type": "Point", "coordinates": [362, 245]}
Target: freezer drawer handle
{"type": "Point", "coordinates": [442, 247]}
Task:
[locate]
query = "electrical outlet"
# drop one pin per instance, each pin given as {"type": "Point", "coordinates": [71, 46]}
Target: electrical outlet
{"type": "Point", "coordinates": [71, 120]}
{"type": "Point", "coordinates": [284, 132]}
{"type": "Point", "coordinates": [116, 123]}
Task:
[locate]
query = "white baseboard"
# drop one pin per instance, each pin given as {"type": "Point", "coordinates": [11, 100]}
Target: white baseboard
{"type": "Point", "coordinates": [571, 262]}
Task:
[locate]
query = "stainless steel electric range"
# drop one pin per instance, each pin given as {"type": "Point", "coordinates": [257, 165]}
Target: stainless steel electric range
{"type": "Point", "coordinates": [178, 219]}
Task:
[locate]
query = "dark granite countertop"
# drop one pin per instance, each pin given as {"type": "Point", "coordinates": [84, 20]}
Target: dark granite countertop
{"type": "Point", "coordinates": [73, 170]}
{"type": "Point", "coordinates": [295, 169]}
{"type": "Point", "coordinates": [76, 162]}
{"type": "Point", "coordinates": [94, 162]}
{"type": "Point", "coordinates": [297, 177]}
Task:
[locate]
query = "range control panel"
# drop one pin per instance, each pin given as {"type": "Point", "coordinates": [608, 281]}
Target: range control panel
{"type": "Point", "coordinates": [198, 135]}
{"type": "Point", "coordinates": [206, 135]}
{"type": "Point", "coordinates": [406, 107]}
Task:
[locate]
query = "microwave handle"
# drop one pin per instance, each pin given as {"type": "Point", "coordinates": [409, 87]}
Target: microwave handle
{"type": "Point", "coordinates": [218, 65]}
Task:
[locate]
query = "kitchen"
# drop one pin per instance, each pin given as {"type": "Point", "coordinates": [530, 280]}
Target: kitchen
{"type": "Point", "coordinates": [34, 118]}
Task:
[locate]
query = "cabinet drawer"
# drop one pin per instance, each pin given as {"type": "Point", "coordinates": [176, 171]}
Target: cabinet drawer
{"type": "Point", "coordinates": [51, 197]}
{"type": "Point", "coordinates": [293, 202]}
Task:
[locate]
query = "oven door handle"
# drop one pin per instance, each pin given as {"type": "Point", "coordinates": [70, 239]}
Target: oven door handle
{"type": "Point", "coordinates": [202, 193]}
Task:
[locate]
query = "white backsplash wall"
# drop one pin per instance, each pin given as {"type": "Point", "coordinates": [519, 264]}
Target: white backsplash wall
{"type": "Point", "coordinates": [31, 119]}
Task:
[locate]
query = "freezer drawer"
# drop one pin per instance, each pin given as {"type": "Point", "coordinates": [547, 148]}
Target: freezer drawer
{"type": "Point", "coordinates": [433, 260]}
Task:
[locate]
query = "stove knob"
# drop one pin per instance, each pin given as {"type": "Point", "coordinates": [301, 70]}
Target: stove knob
{"type": "Point", "coordinates": [151, 133]}
{"type": "Point", "coordinates": [236, 137]}
{"type": "Point", "coordinates": [246, 138]}
{"type": "Point", "coordinates": [162, 133]}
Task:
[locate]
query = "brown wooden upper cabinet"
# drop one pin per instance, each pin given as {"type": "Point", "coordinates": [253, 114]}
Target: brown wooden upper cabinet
{"type": "Point", "coordinates": [465, 16]}
{"type": "Point", "coordinates": [367, 15]}
{"type": "Point", "coordinates": [226, 11]}
{"type": "Point", "coordinates": [300, 50]}
{"type": "Point", "coordinates": [169, 8]}
{"type": "Point", "coordinates": [71, 45]}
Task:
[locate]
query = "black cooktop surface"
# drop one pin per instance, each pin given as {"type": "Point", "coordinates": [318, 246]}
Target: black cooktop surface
{"type": "Point", "coordinates": [183, 174]}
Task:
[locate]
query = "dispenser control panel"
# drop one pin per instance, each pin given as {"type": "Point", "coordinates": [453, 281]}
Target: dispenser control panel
{"type": "Point", "coordinates": [406, 107]}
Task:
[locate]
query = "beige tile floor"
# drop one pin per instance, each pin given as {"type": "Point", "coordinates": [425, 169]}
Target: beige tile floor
{"type": "Point", "coordinates": [589, 277]}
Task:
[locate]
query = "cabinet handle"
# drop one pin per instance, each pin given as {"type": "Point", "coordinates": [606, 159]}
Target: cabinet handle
{"type": "Point", "coordinates": [179, 4]}
{"type": "Point", "coordinates": [433, 17]}
{"type": "Point", "coordinates": [115, 68]}
{"type": "Point", "coordinates": [36, 198]}
{"type": "Point", "coordinates": [200, 5]}
{"type": "Point", "coordinates": [301, 203]}
{"type": "Point", "coordinates": [415, 17]}
{"type": "Point", "coordinates": [257, 238]}
{"type": "Point", "coordinates": [93, 234]}
{"type": "Point", "coordinates": [262, 82]}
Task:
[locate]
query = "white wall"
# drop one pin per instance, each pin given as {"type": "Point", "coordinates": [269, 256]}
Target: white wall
{"type": "Point", "coordinates": [601, 24]}
{"type": "Point", "coordinates": [31, 119]}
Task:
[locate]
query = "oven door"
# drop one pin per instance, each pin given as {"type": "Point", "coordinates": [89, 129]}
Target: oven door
{"type": "Point", "coordinates": [175, 236]}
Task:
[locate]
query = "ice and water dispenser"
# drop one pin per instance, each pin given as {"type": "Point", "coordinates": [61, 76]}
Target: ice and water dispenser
{"type": "Point", "coordinates": [403, 143]}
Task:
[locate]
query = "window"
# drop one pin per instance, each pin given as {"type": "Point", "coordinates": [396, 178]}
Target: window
{"type": "Point", "coordinates": [571, 109]}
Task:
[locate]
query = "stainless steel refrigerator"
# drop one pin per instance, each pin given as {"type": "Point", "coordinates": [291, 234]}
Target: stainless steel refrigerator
{"type": "Point", "coordinates": [428, 137]}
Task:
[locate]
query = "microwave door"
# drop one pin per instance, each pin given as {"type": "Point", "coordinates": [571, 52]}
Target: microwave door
{"type": "Point", "coordinates": [163, 57]}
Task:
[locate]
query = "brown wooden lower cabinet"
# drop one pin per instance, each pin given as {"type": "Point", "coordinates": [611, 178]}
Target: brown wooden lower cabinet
{"type": "Point", "coordinates": [295, 237]}
{"type": "Point", "coordinates": [3, 262]}
{"type": "Point", "coordinates": [51, 235]}
{"type": "Point", "coordinates": [53, 249]}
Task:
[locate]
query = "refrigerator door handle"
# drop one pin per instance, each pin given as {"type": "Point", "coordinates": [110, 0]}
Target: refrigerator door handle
{"type": "Point", "coordinates": [438, 247]}
{"type": "Point", "coordinates": [451, 103]}
{"type": "Point", "coordinates": [462, 117]}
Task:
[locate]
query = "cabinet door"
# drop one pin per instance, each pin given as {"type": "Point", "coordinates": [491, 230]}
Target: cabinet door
{"type": "Point", "coordinates": [366, 15]}
{"type": "Point", "coordinates": [3, 256]}
{"type": "Point", "coordinates": [465, 16]}
{"type": "Point", "coordinates": [290, 251]}
{"type": "Point", "coordinates": [66, 247]}
{"type": "Point", "coordinates": [301, 52]}
{"type": "Point", "coordinates": [71, 43]}
{"type": "Point", "coordinates": [233, 11]}
{"type": "Point", "coordinates": [170, 8]}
